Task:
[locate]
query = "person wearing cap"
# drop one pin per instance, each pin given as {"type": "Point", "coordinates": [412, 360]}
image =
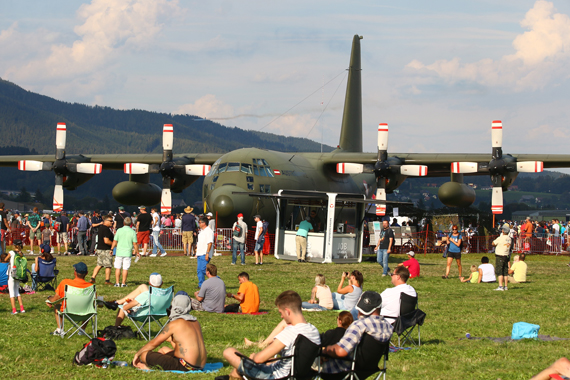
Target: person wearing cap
{"type": "Point", "coordinates": [259, 240]}
{"type": "Point", "coordinates": [104, 240]}
{"type": "Point", "coordinates": [188, 230]}
{"type": "Point", "coordinates": [184, 333]}
{"type": "Point", "coordinates": [502, 246]}
{"type": "Point", "coordinates": [78, 281]}
{"type": "Point", "coordinates": [239, 235]}
{"type": "Point", "coordinates": [205, 243]}
{"type": "Point", "coordinates": [301, 239]}
{"type": "Point", "coordinates": [412, 265]}
{"type": "Point", "coordinates": [369, 321]}
{"type": "Point", "coordinates": [120, 218]}
{"type": "Point", "coordinates": [144, 222]}
{"type": "Point", "coordinates": [391, 296]}
{"type": "Point", "coordinates": [137, 298]}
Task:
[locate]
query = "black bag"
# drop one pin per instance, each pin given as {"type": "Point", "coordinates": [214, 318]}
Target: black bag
{"type": "Point", "coordinates": [97, 351]}
{"type": "Point", "coordinates": [117, 333]}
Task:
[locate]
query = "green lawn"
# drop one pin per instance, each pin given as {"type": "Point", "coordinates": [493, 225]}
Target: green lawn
{"type": "Point", "coordinates": [27, 351]}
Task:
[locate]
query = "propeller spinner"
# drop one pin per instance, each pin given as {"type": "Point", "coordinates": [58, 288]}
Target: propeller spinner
{"type": "Point", "coordinates": [383, 168]}
{"type": "Point", "coordinates": [498, 166]}
{"type": "Point", "coordinates": [61, 167]}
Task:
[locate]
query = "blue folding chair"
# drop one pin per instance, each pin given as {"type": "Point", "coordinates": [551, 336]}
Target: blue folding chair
{"type": "Point", "coordinates": [45, 275]}
{"type": "Point", "coordinates": [158, 301]}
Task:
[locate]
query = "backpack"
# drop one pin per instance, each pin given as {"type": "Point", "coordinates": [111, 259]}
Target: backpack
{"type": "Point", "coordinates": [98, 351]}
{"type": "Point", "coordinates": [237, 231]}
{"type": "Point", "coordinates": [117, 333]}
{"type": "Point", "coordinates": [20, 269]}
{"type": "Point", "coordinates": [57, 225]}
{"type": "Point", "coordinates": [265, 227]}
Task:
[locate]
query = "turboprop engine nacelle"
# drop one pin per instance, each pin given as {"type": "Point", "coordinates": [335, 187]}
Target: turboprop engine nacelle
{"type": "Point", "coordinates": [455, 194]}
{"type": "Point", "coordinates": [136, 193]}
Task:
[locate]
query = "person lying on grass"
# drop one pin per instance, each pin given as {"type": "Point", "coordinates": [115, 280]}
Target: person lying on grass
{"type": "Point", "coordinates": [184, 333]}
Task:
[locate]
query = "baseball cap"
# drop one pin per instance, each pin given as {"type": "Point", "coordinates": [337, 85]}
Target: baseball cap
{"type": "Point", "coordinates": [506, 227]}
{"type": "Point", "coordinates": [240, 215]}
{"type": "Point", "coordinates": [155, 279]}
{"type": "Point", "coordinates": [257, 216]}
{"type": "Point", "coordinates": [209, 214]}
{"type": "Point", "coordinates": [80, 267]}
{"type": "Point", "coordinates": [17, 242]}
{"type": "Point", "coordinates": [121, 208]}
{"type": "Point", "coordinates": [412, 253]}
{"type": "Point", "coordinates": [368, 302]}
{"type": "Point", "coordinates": [181, 293]}
{"type": "Point", "coordinates": [142, 207]}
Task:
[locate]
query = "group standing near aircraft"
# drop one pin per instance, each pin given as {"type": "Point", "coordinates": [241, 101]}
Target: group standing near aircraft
{"type": "Point", "coordinates": [229, 177]}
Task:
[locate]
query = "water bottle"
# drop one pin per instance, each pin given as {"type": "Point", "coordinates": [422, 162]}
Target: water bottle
{"type": "Point", "coordinates": [468, 336]}
{"type": "Point", "coordinates": [119, 363]}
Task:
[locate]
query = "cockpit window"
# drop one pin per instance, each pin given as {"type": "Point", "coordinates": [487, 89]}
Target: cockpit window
{"type": "Point", "coordinates": [222, 168]}
{"type": "Point", "coordinates": [255, 170]}
{"type": "Point", "coordinates": [246, 168]}
{"type": "Point", "coordinates": [233, 167]}
{"type": "Point", "coordinates": [262, 171]}
{"type": "Point", "coordinates": [212, 171]}
{"type": "Point", "coordinates": [261, 168]}
{"type": "Point", "coordinates": [269, 171]}
{"type": "Point", "coordinates": [264, 162]}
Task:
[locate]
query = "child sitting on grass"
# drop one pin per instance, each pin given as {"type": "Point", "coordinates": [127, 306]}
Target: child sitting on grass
{"type": "Point", "coordinates": [473, 277]}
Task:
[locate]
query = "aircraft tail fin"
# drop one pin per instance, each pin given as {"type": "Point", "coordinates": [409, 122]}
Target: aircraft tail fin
{"type": "Point", "coordinates": [351, 130]}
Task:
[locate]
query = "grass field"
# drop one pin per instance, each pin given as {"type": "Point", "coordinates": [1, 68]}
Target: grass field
{"type": "Point", "coordinates": [27, 351]}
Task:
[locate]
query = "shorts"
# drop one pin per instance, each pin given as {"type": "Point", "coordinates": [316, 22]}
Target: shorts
{"type": "Point", "coordinates": [187, 237]}
{"type": "Point", "coordinates": [259, 245]}
{"type": "Point", "coordinates": [143, 237]}
{"type": "Point", "coordinates": [255, 370]}
{"type": "Point", "coordinates": [62, 238]}
{"type": "Point", "coordinates": [502, 266]}
{"type": "Point", "coordinates": [122, 261]}
{"type": "Point", "coordinates": [454, 255]}
{"type": "Point", "coordinates": [13, 287]}
{"type": "Point", "coordinates": [36, 235]}
{"type": "Point", "coordinates": [168, 362]}
{"type": "Point", "coordinates": [104, 258]}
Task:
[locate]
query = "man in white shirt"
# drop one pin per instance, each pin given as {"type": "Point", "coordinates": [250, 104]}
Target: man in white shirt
{"type": "Point", "coordinates": [259, 240]}
{"type": "Point", "coordinates": [205, 243]}
{"type": "Point", "coordinates": [390, 309]}
{"type": "Point", "coordinates": [289, 305]}
{"type": "Point", "coordinates": [155, 228]}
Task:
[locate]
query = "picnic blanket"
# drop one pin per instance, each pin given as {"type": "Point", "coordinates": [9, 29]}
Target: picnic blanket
{"type": "Point", "coordinates": [257, 313]}
{"type": "Point", "coordinates": [545, 338]}
{"type": "Point", "coordinates": [208, 368]}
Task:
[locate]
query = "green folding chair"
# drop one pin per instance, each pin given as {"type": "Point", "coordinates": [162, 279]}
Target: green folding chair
{"type": "Point", "coordinates": [158, 301]}
{"type": "Point", "coordinates": [80, 308]}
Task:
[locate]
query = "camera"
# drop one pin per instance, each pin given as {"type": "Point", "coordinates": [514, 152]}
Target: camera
{"type": "Point", "coordinates": [346, 273]}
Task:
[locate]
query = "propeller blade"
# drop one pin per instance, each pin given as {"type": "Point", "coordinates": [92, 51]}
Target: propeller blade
{"type": "Point", "coordinates": [133, 168]}
{"type": "Point", "coordinates": [58, 198]}
{"type": "Point", "coordinates": [167, 137]}
{"type": "Point", "coordinates": [88, 168]}
{"type": "Point", "coordinates": [166, 202]}
{"type": "Point", "coordinates": [60, 136]}
{"type": "Point", "coordinates": [197, 169]}
{"type": "Point", "coordinates": [497, 200]}
{"type": "Point", "coordinates": [30, 166]}
{"type": "Point", "coordinates": [530, 167]}
{"type": "Point", "coordinates": [348, 168]}
{"type": "Point", "coordinates": [381, 194]}
{"type": "Point", "coordinates": [414, 170]}
{"type": "Point", "coordinates": [383, 136]}
{"type": "Point", "coordinates": [464, 167]}
{"type": "Point", "coordinates": [497, 134]}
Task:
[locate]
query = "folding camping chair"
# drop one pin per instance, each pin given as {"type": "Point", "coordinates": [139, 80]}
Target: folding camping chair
{"type": "Point", "coordinates": [410, 317]}
{"type": "Point", "coordinates": [158, 301]}
{"type": "Point", "coordinates": [304, 354]}
{"type": "Point", "coordinates": [80, 308]}
{"type": "Point", "coordinates": [45, 275]}
{"type": "Point", "coordinates": [363, 361]}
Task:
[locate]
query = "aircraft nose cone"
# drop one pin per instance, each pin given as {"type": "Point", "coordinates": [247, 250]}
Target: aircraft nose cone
{"type": "Point", "coordinates": [224, 205]}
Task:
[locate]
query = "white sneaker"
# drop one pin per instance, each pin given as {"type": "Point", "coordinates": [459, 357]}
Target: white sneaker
{"type": "Point", "coordinates": [57, 332]}
{"type": "Point", "coordinates": [500, 288]}
{"type": "Point", "coordinates": [192, 257]}
{"type": "Point", "coordinates": [153, 255]}
{"type": "Point", "coordinates": [217, 254]}
{"type": "Point", "coordinates": [164, 254]}
{"type": "Point", "coordinates": [505, 288]}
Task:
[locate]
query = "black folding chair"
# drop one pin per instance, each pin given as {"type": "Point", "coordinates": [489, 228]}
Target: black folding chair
{"type": "Point", "coordinates": [363, 361]}
{"type": "Point", "coordinates": [304, 354]}
{"type": "Point", "coordinates": [410, 317]}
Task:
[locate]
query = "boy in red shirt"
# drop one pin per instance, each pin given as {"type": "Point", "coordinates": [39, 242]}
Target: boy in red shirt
{"type": "Point", "coordinates": [412, 265]}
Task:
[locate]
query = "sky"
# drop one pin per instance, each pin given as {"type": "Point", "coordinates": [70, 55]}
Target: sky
{"type": "Point", "coordinates": [437, 72]}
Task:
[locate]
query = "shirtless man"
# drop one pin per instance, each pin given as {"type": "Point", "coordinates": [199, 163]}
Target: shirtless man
{"type": "Point", "coordinates": [184, 333]}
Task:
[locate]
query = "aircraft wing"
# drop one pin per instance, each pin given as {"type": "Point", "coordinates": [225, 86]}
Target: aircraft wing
{"type": "Point", "coordinates": [114, 161]}
{"type": "Point", "coordinates": [439, 164]}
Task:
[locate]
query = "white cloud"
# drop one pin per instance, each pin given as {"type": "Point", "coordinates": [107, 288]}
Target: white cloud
{"type": "Point", "coordinates": [208, 106]}
{"type": "Point", "coordinates": [109, 28]}
{"type": "Point", "coordinates": [541, 56]}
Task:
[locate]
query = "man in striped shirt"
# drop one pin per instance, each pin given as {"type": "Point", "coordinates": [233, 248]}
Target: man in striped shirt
{"type": "Point", "coordinates": [369, 321]}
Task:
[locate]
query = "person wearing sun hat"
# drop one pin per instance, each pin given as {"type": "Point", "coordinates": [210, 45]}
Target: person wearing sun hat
{"type": "Point", "coordinates": [369, 321]}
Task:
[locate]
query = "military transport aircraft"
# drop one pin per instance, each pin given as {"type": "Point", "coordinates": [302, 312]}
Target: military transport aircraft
{"type": "Point", "coordinates": [230, 176]}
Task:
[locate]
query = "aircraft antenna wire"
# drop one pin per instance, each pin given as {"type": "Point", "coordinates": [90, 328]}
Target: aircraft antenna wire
{"type": "Point", "coordinates": [324, 109]}
{"type": "Point", "coordinates": [307, 97]}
